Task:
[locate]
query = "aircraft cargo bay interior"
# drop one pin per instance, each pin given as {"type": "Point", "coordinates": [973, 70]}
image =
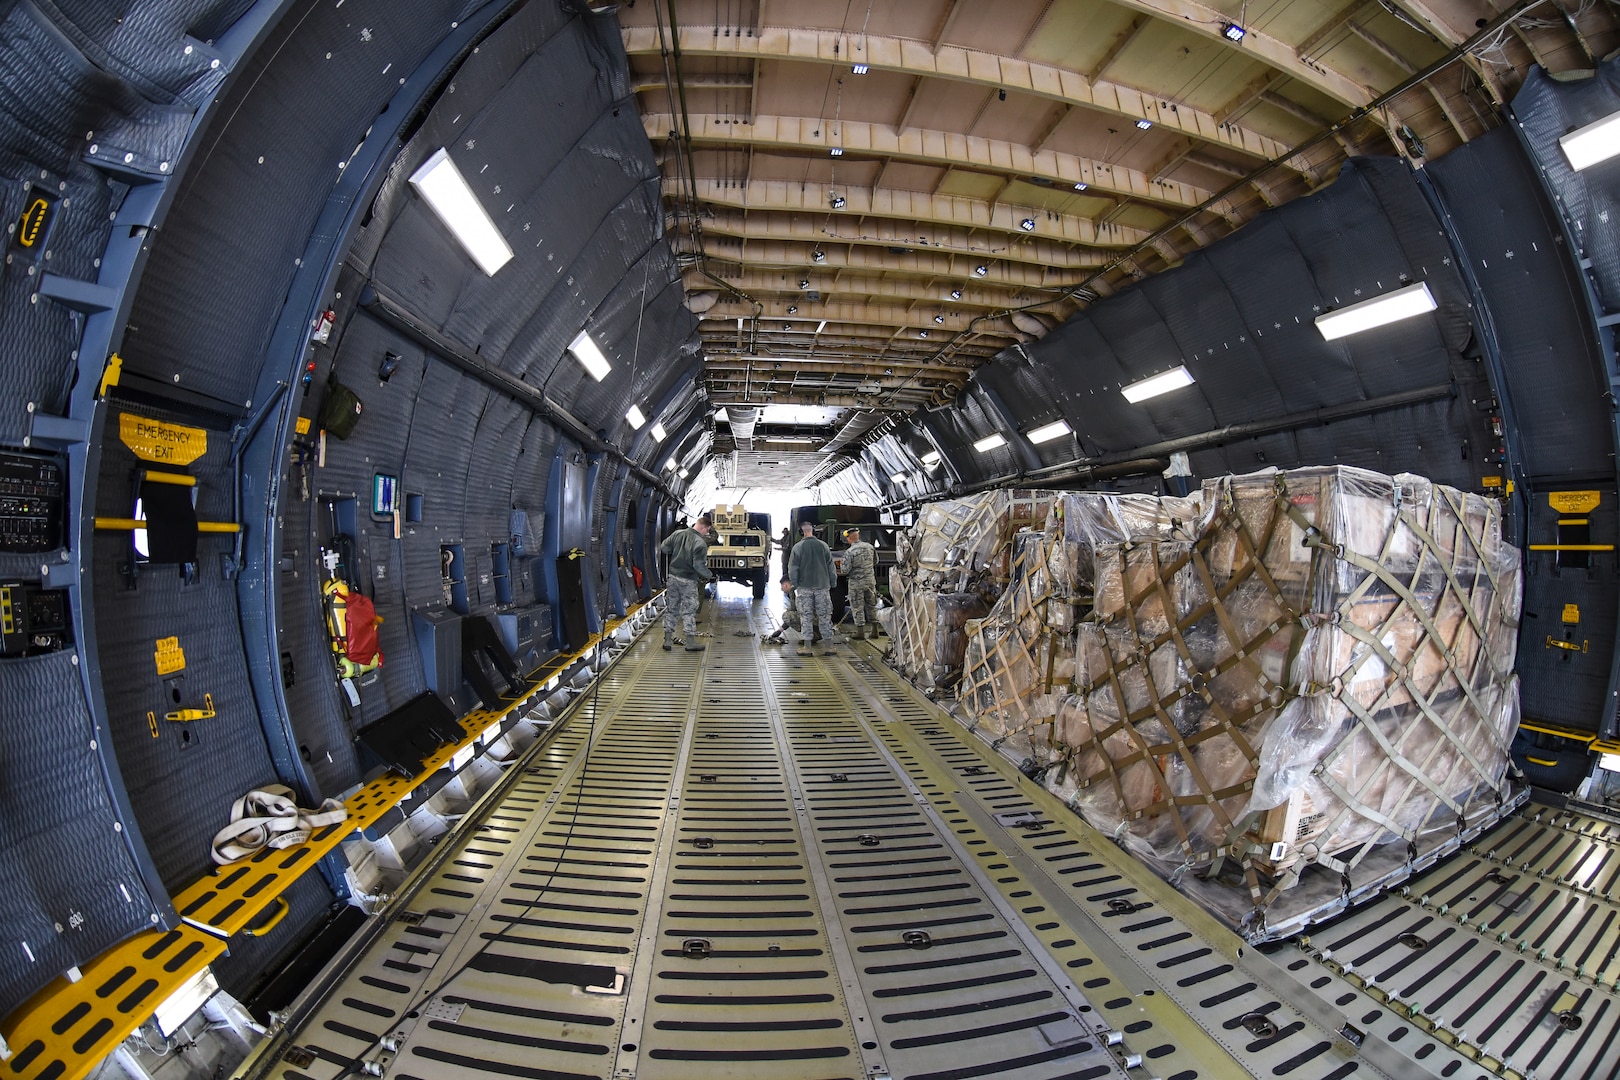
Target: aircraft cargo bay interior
{"type": "Point", "coordinates": [831, 540]}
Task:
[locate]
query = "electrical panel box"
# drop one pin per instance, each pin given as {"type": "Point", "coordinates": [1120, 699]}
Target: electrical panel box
{"type": "Point", "coordinates": [32, 499]}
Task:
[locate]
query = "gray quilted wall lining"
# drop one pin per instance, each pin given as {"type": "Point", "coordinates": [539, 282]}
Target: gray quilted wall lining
{"type": "Point", "coordinates": [181, 783]}
{"type": "Point", "coordinates": [68, 886]}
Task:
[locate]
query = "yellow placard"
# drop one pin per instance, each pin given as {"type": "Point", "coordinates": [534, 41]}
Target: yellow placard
{"type": "Point", "coordinates": [1574, 502]}
{"type": "Point", "coordinates": [169, 656]}
{"type": "Point", "coordinates": [302, 425]}
{"type": "Point", "coordinates": [1572, 614]}
{"type": "Point", "coordinates": [32, 223]}
{"type": "Point", "coordinates": [154, 440]}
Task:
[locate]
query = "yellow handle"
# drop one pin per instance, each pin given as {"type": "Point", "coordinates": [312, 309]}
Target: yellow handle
{"type": "Point", "coordinates": [124, 524]}
{"type": "Point", "coordinates": [265, 927]}
{"type": "Point", "coordinates": [1541, 761]}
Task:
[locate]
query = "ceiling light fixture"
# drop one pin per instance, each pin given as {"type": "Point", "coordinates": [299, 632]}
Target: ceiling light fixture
{"type": "Point", "coordinates": [1047, 432]}
{"type": "Point", "coordinates": [1232, 32]}
{"type": "Point", "coordinates": [446, 191]}
{"type": "Point", "coordinates": [981, 270]}
{"type": "Point", "coordinates": [804, 283]}
{"type": "Point", "coordinates": [821, 326]}
{"type": "Point", "coordinates": [1144, 124]}
{"type": "Point", "coordinates": [939, 320]}
{"type": "Point", "coordinates": [684, 473]}
{"type": "Point", "coordinates": [633, 414]}
{"type": "Point", "coordinates": [1391, 307]}
{"type": "Point", "coordinates": [787, 326]}
{"type": "Point", "coordinates": [837, 202]}
{"type": "Point", "coordinates": [1080, 185]}
{"type": "Point", "coordinates": [837, 151]}
{"type": "Point", "coordinates": [1162, 383]}
{"type": "Point", "coordinates": [793, 309]}
{"type": "Point", "coordinates": [1597, 141]}
{"type": "Point", "coordinates": [1028, 224]}
{"type": "Point", "coordinates": [956, 294]}
{"type": "Point", "coordinates": [859, 69]}
{"type": "Point", "coordinates": [922, 333]}
{"type": "Point", "coordinates": [671, 464]}
{"type": "Point", "coordinates": [818, 255]}
{"type": "Point", "coordinates": [931, 458]}
{"type": "Point", "coordinates": [989, 443]}
{"type": "Point", "coordinates": [658, 433]}
{"type": "Point", "coordinates": [589, 356]}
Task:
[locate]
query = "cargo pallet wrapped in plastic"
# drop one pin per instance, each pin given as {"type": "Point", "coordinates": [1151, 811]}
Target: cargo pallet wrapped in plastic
{"type": "Point", "coordinates": [1014, 658]}
{"type": "Point", "coordinates": [1317, 687]}
{"type": "Point", "coordinates": [950, 566]}
{"type": "Point", "coordinates": [1022, 652]}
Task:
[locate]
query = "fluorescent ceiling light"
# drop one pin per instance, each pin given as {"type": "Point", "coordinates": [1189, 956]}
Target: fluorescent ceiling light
{"type": "Point", "coordinates": [1597, 141]}
{"type": "Point", "coordinates": [818, 255]}
{"type": "Point", "coordinates": [441, 184]}
{"type": "Point", "coordinates": [658, 433]}
{"type": "Point", "coordinates": [1232, 32]}
{"type": "Point", "coordinates": [1028, 224]}
{"type": "Point", "coordinates": [939, 320]}
{"type": "Point", "coordinates": [837, 204]}
{"type": "Point", "coordinates": [822, 325]}
{"type": "Point", "coordinates": [1162, 383]}
{"type": "Point", "coordinates": [1046, 433]}
{"type": "Point", "coordinates": [956, 294]}
{"type": "Point", "coordinates": [589, 356]}
{"type": "Point", "coordinates": [931, 458]}
{"type": "Point", "coordinates": [633, 414]}
{"type": "Point", "coordinates": [1144, 124]}
{"type": "Point", "coordinates": [838, 151]}
{"type": "Point", "coordinates": [1391, 307]}
{"type": "Point", "coordinates": [989, 443]}
{"type": "Point", "coordinates": [981, 269]}
{"type": "Point", "coordinates": [859, 69]}
{"type": "Point", "coordinates": [1080, 185]}
{"type": "Point", "coordinates": [671, 464]}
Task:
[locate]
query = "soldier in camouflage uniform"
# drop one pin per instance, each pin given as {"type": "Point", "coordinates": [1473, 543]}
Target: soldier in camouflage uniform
{"type": "Point", "coordinates": [688, 551]}
{"type": "Point", "coordinates": [811, 572]}
{"type": "Point", "coordinates": [860, 566]}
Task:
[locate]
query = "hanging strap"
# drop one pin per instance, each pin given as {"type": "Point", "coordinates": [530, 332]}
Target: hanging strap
{"type": "Point", "coordinates": [269, 818]}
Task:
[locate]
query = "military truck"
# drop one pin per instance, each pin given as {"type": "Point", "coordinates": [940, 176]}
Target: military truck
{"type": "Point", "coordinates": [740, 547]}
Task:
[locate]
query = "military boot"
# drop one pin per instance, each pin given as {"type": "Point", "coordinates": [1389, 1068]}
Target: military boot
{"type": "Point", "coordinates": [669, 639]}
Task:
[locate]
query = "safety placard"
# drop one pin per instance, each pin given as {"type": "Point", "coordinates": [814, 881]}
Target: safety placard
{"type": "Point", "coordinates": [169, 656]}
{"type": "Point", "coordinates": [154, 440]}
{"type": "Point", "coordinates": [1574, 502]}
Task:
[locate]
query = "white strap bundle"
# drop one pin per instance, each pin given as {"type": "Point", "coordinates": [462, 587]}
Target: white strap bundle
{"type": "Point", "coordinates": [269, 818]}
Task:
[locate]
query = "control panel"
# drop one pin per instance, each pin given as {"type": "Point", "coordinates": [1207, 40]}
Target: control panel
{"type": "Point", "coordinates": [32, 499]}
{"type": "Point", "coordinates": [32, 619]}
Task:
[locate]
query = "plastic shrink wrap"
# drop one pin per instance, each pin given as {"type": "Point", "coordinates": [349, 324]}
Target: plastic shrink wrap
{"type": "Point", "coordinates": [1326, 666]}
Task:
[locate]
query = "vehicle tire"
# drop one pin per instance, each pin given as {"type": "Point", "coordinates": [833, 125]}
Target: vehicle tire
{"type": "Point", "coordinates": [759, 584]}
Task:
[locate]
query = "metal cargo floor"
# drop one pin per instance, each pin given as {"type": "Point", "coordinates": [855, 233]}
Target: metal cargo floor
{"type": "Point", "coordinates": [744, 864]}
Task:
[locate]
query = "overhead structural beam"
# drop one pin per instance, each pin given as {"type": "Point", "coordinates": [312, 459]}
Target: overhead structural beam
{"type": "Point", "coordinates": [958, 64]}
{"type": "Point", "coordinates": [854, 312]}
{"type": "Point", "coordinates": [763, 283]}
{"type": "Point", "coordinates": [885, 234]}
{"type": "Point", "coordinates": [1201, 19]}
{"type": "Point", "coordinates": [915, 207]}
{"type": "Point", "coordinates": [799, 255]}
{"type": "Point", "coordinates": [949, 149]}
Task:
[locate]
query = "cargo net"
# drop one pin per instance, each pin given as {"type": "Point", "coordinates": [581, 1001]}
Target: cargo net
{"type": "Point", "coordinates": [950, 567]}
{"type": "Point", "coordinates": [1021, 655]}
{"type": "Point", "coordinates": [1326, 667]}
